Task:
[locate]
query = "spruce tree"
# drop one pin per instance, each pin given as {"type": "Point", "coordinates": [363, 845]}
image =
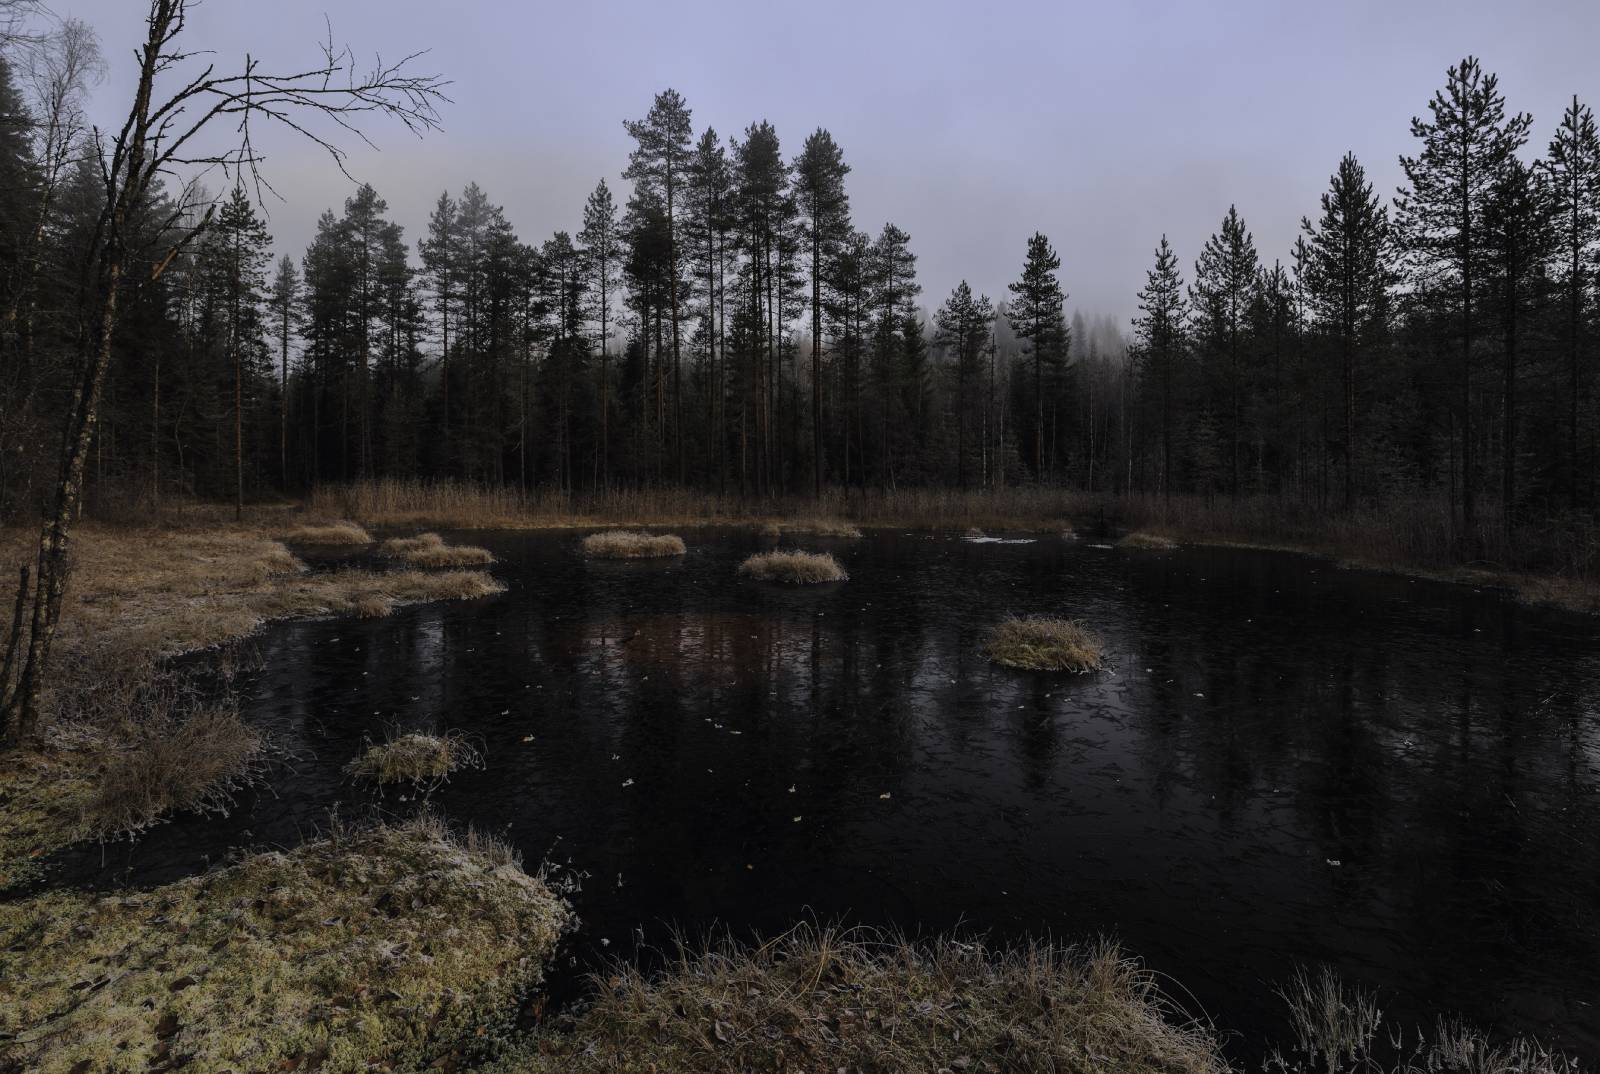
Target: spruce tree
{"type": "Point", "coordinates": [1159, 336]}
{"type": "Point", "coordinates": [285, 303]}
{"type": "Point", "coordinates": [963, 324]}
{"type": "Point", "coordinates": [1347, 277]}
{"type": "Point", "coordinates": [1225, 277]}
{"type": "Point", "coordinates": [601, 243]}
{"type": "Point", "coordinates": [1466, 142]}
{"type": "Point", "coordinates": [237, 252]}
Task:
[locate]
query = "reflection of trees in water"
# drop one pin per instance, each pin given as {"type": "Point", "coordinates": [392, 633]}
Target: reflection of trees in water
{"type": "Point", "coordinates": [1418, 746]}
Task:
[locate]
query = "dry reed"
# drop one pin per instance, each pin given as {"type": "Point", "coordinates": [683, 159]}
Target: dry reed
{"type": "Point", "coordinates": [628, 544]}
{"type": "Point", "coordinates": [1043, 643]}
{"type": "Point", "coordinates": [793, 568]}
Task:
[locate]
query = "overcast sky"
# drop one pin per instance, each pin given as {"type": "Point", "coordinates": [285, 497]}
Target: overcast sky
{"type": "Point", "coordinates": [969, 125]}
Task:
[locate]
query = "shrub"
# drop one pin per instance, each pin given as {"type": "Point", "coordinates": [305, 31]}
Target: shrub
{"type": "Point", "coordinates": [193, 761]}
{"type": "Point", "coordinates": [632, 544]}
{"type": "Point", "coordinates": [793, 568]}
{"type": "Point", "coordinates": [1043, 643]}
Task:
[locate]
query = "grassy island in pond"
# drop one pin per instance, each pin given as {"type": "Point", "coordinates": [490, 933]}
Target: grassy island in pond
{"type": "Point", "coordinates": [429, 551]}
{"type": "Point", "coordinates": [629, 544]}
{"type": "Point", "coordinates": [793, 568]}
{"type": "Point", "coordinates": [1043, 643]}
{"type": "Point", "coordinates": [416, 758]}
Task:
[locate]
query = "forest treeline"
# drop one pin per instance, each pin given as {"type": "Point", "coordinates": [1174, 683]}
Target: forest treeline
{"type": "Point", "coordinates": [720, 320]}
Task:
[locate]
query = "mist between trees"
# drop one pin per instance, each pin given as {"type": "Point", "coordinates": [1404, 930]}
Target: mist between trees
{"type": "Point", "coordinates": [728, 326]}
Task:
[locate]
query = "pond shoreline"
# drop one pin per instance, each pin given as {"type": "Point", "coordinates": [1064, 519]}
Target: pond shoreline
{"type": "Point", "coordinates": [606, 1030]}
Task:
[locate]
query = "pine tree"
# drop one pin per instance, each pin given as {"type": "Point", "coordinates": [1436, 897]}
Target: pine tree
{"type": "Point", "coordinates": [1036, 317]}
{"type": "Point", "coordinates": [438, 251]}
{"type": "Point", "coordinates": [1573, 166]}
{"type": "Point", "coordinates": [819, 185]}
{"type": "Point", "coordinates": [1347, 277]}
{"type": "Point", "coordinates": [1159, 336]}
{"type": "Point", "coordinates": [656, 167]}
{"type": "Point", "coordinates": [1520, 239]}
{"type": "Point", "coordinates": [1466, 142]}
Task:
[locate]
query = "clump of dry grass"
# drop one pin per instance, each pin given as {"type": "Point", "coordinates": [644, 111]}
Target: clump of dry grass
{"type": "Point", "coordinates": [632, 544]}
{"type": "Point", "coordinates": [396, 948]}
{"type": "Point", "coordinates": [1152, 542]}
{"type": "Point", "coordinates": [1340, 1029]}
{"type": "Point", "coordinates": [415, 757]}
{"type": "Point", "coordinates": [818, 999]}
{"type": "Point", "coordinates": [1043, 643]}
{"type": "Point", "coordinates": [196, 761]}
{"type": "Point", "coordinates": [793, 568]}
{"type": "Point", "coordinates": [333, 533]}
{"type": "Point", "coordinates": [428, 550]}
{"type": "Point", "coordinates": [823, 527]}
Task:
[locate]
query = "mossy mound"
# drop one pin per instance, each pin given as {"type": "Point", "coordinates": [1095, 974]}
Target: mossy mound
{"type": "Point", "coordinates": [1043, 643]}
{"type": "Point", "coordinates": [818, 1000]}
{"type": "Point", "coordinates": [393, 948]}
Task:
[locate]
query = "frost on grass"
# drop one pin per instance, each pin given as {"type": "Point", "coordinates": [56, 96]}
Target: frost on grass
{"type": "Point", "coordinates": [1043, 643]}
{"type": "Point", "coordinates": [415, 758]}
{"type": "Point", "coordinates": [793, 568]}
{"type": "Point", "coordinates": [392, 948]}
{"type": "Point", "coordinates": [823, 1000]}
{"type": "Point", "coordinates": [1152, 542]}
{"type": "Point", "coordinates": [429, 551]}
{"type": "Point", "coordinates": [334, 533]}
{"type": "Point", "coordinates": [632, 544]}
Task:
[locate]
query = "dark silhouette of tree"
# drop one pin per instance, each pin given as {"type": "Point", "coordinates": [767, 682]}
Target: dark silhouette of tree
{"type": "Point", "coordinates": [819, 174]}
{"type": "Point", "coordinates": [1159, 342]}
{"type": "Point", "coordinates": [1347, 277]}
{"type": "Point", "coordinates": [1036, 317]}
{"type": "Point", "coordinates": [1225, 277]}
{"type": "Point", "coordinates": [1466, 142]}
{"type": "Point", "coordinates": [1573, 165]}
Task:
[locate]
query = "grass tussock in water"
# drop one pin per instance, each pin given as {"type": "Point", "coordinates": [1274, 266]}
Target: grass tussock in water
{"type": "Point", "coordinates": [793, 568]}
{"type": "Point", "coordinates": [333, 533]}
{"type": "Point", "coordinates": [416, 758]}
{"type": "Point", "coordinates": [391, 948]}
{"type": "Point", "coordinates": [822, 527]}
{"type": "Point", "coordinates": [632, 544]}
{"type": "Point", "coordinates": [823, 1000]}
{"type": "Point", "coordinates": [1043, 643]}
{"type": "Point", "coordinates": [429, 551]}
{"type": "Point", "coordinates": [1151, 542]}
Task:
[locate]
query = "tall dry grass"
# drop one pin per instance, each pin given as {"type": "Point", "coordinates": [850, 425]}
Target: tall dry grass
{"type": "Point", "coordinates": [822, 999]}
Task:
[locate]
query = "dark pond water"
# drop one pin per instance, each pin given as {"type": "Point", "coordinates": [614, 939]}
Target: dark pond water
{"type": "Point", "coordinates": [1286, 762]}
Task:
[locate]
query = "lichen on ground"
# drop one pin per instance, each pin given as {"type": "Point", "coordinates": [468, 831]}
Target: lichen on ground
{"type": "Point", "coordinates": [391, 947]}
